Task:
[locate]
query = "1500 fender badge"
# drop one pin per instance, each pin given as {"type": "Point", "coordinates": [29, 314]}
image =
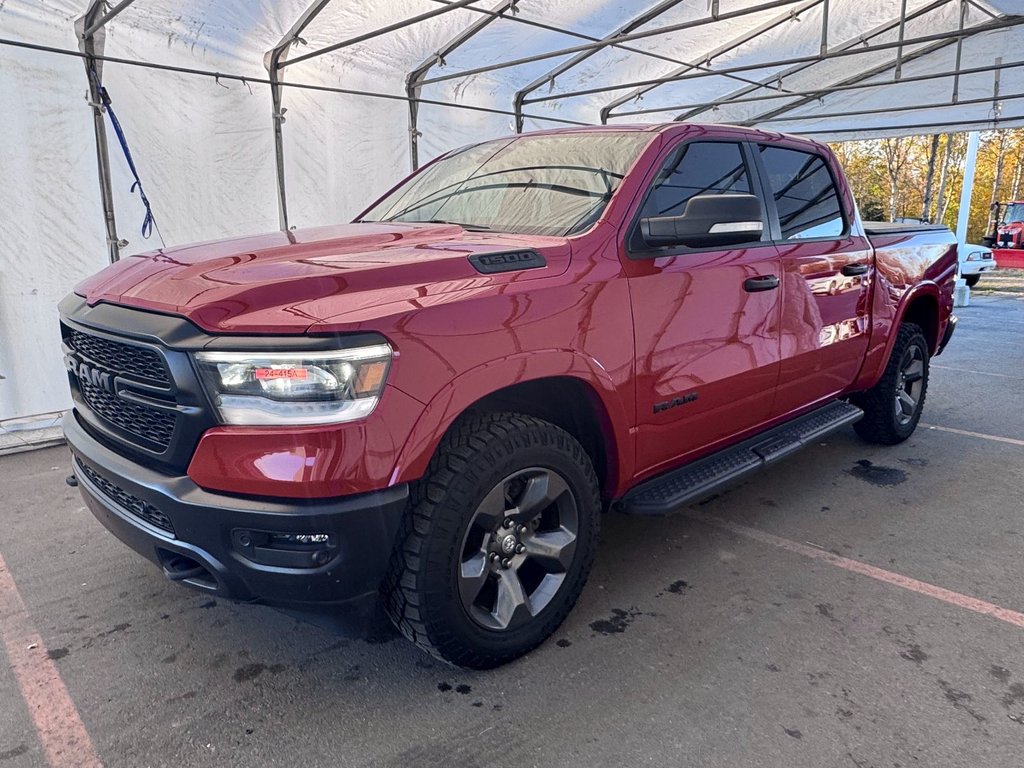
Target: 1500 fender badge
{"type": "Point", "coordinates": [88, 374]}
{"type": "Point", "coordinates": [675, 402]}
{"type": "Point", "coordinates": [508, 261]}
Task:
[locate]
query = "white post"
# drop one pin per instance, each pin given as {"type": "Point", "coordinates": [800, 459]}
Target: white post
{"type": "Point", "coordinates": [968, 187]}
{"type": "Point", "coordinates": [962, 294]}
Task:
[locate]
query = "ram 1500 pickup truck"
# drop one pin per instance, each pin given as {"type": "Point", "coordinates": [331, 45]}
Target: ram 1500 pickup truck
{"type": "Point", "coordinates": [431, 406]}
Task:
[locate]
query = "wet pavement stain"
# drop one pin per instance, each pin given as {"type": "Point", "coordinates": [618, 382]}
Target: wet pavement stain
{"type": "Point", "coordinates": [1002, 674]}
{"type": "Point", "coordinates": [444, 687]}
{"type": "Point", "coordinates": [563, 643]}
{"type": "Point", "coordinates": [18, 751]}
{"type": "Point", "coordinates": [463, 689]}
{"type": "Point", "coordinates": [914, 653]}
{"type": "Point", "coordinates": [58, 653]}
{"type": "Point", "coordinates": [1014, 696]}
{"type": "Point", "coordinates": [878, 475]}
{"type": "Point", "coordinates": [793, 732]}
{"type": "Point", "coordinates": [914, 462]}
{"type": "Point", "coordinates": [825, 609]}
{"type": "Point", "coordinates": [252, 671]}
{"type": "Point", "coordinates": [959, 699]}
{"type": "Point", "coordinates": [618, 622]}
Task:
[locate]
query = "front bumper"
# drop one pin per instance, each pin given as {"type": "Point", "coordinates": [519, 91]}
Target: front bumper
{"type": "Point", "coordinates": [206, 540]}
{"type": "Point", "coordinates": [977, 267]}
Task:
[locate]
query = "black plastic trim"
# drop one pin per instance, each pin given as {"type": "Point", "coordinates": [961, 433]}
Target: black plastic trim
{"type": "Point", "coordinates": [674, 489]}
{"type": "Point", "coordinates": [947, 335]}
{"type": "Point", "coordinates": [173, 339]}
{"type": "Point", "coordinates": [506, 261]}
{"type": "Point", "coordinates": [364, 528]}
{"type": "Point", "coordinates": [175, 332]}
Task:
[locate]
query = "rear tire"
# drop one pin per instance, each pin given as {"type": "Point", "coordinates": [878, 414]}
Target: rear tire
{"type": "Point", "coordinates": [464, 585]}
{"type": "Point", "coordinates": [893, 406]}
{"type": "Point", "coordinates": [971, 280]}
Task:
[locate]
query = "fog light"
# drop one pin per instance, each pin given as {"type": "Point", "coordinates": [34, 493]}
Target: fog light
{"type": "Point", "coordinates": [290, 550]}
{"type": "Point", "coordinates": [299, 538]}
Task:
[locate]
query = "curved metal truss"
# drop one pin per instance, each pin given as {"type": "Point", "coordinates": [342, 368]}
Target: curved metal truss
{"type": "Point", "coordinates": [771, 92]}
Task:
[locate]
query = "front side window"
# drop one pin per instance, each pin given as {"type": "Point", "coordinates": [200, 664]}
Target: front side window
{"type": "Point", "coordinates": [535, 185]}
{"type": "Point", "coordinates": [700, 168]}
{"type": "Point", "coordinates": [805, 195]}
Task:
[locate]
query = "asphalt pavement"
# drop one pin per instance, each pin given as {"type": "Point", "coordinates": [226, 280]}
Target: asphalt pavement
{"type": "Point", "coordinates": [839, 609]}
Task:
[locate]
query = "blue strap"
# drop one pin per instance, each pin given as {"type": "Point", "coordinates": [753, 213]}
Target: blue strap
{"type": "Point", "coordinates": [148, 221]}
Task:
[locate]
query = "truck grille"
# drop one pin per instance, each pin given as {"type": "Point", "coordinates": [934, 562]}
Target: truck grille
{"type": "Point", "coordinates": [116, 356]}
{"type": "Point", "coordinates": [126, 501]}
{"type": "Point", "coordinates": [150, 424]}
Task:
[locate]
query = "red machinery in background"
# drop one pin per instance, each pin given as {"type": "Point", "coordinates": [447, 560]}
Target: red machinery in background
{"type": "Point", "coordinates": [1007, 238]}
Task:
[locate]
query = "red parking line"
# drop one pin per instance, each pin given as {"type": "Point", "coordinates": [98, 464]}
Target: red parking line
{"type": "Point", "coordinates": [880, 574]}
{"type": "Point", "coordinates": [61, 731]}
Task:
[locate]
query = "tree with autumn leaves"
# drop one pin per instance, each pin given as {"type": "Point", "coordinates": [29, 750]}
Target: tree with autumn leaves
{"type": "Point", "coordinates": [920, 177]}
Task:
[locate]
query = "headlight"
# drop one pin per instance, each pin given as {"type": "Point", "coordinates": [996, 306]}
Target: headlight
{"type": "Point", "coordinates": [295, 387]}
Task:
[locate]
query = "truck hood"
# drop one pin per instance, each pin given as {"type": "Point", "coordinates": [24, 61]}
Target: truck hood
{"type": "Point", "coordinates": [285, 282]}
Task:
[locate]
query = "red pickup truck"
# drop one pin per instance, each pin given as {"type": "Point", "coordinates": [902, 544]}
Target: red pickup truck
{"type": "Point", "coordinates": [433, 404]}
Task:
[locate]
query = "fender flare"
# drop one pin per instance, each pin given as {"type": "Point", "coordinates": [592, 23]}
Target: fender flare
{"type": "Point", "coordinates": [928, 289]}
{"type": "Point", "coordinates": [471, 386]}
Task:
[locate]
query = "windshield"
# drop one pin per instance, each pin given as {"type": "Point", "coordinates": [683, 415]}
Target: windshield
{"type": "Point", "coordinates": [532, 185]}
{"type": "Point", "coordinates": [1014, 212]}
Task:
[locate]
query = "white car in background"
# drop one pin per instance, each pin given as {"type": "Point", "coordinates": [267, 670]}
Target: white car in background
{"type": "Point", "coordinates": [974, 260]}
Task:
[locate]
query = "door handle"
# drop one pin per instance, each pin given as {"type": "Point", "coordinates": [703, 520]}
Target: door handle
{"type": "Point", "coordinates": [760, 283]}
{"type": "Point", "coordinates": [854, 269]}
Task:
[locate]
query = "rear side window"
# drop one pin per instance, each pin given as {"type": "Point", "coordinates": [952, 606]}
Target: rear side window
{"type": "Point", "coordinates": [804, 193]}
{"type": "Point", "coordinates": [700, 168]}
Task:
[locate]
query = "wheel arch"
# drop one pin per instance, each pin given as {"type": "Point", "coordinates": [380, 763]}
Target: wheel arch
{"type": "Point", "coordinates": [920, 305]}
{"type": "Point", "coordinates": [561, 387]}
{"type": "Point", "coordinates": [922, 308]}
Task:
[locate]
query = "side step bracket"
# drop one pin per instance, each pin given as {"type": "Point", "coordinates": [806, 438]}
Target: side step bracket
{"type": "Point", "coordinates": [670, 492]}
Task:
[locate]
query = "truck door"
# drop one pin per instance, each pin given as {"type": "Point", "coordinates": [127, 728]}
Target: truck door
{"type": "Point", "coordinates": [826, 277]}
{"type": "Point", "coordinates": [706, 322]}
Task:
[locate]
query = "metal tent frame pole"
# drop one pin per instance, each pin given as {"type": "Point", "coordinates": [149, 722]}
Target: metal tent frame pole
{"type": "Point", "coordinates": [881, 110]}
{"type": "Point", "coordinates": [89, 28]}
{"type": "Point", "coordinates": [599, 44]}
{"type": "Point", "coordinates": [703, 106]}
{"type": "Point", "coordinates": [967, 188]}
{"type": "Point", "coordinates": [565, 66]}
{"type": "Point", "coordinates": [896, 64]}
{"type": "Point", "coordinates": [413, 81]}
{"type": "Point", "coordinates": [834, 54]}
{"type": "Point", "coordinates": [273, 60]}
{"type": "Point", "coordinates": [412, 20]}
{"type": "Point", "coordinates": [728, 46]}
{"type": "Point", "coordinates": [735, 96]}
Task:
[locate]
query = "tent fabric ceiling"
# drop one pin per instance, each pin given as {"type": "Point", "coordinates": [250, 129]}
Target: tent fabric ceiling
{"type": "Point", "coordinates": [205, 147]}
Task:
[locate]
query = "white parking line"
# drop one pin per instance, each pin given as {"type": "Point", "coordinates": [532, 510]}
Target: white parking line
{"type": "Point", "coordinates": [980, 373]}
{"type": "Point", "coordinates": [983, 607]}
{"type": "Point", "coordinates": [62, 734]}
{"type": "Point", "coordinates": [980, 435]}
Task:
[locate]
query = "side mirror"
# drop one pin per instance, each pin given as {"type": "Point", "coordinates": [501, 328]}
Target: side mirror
{"type": "Point", "coordinates": [707, 221]}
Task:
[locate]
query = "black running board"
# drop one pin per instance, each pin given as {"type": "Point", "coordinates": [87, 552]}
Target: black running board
{"type": "Point", "coordinates": [670, 492]}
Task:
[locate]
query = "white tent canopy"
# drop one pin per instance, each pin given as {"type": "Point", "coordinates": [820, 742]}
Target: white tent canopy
{"type": "Point", "coordinates": [191, 83]}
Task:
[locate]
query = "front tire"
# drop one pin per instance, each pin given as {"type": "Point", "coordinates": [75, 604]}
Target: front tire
{"type": "Point", "coordinates": [497, 543]}
{"type": "Point", "coordinates": [893, 406]}
{"type": "Point", "coordinates": [971, 280]}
